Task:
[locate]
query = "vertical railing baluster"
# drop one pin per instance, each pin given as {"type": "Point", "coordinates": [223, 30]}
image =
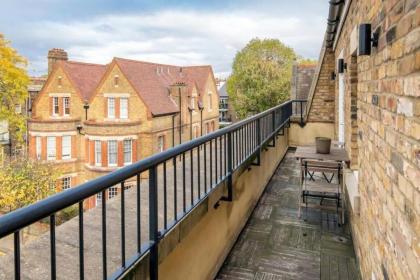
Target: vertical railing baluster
{"type": "Point", "coordinates": [229, 167]}
{"type": "Point", "coordinates": [175, 190]}
{"type": "Point", "coordinates": [215, 161]}
{"type": "Point", "coordinates": [104, 261]}
{"type": "Point", "coordinates": [52, 248]}
{"type": "Point", "coordinates": [165, 206]}
{"type": "Point", "coordinates": [184, 179]}
{"type": "Point", "coordinates": [221, 159]}
{"type": "Point", "coordinates": [16, 236]}
{"type": "Point", "coordinates": [122, 224]}
{"type": "Point", "coordinates": [153, 223]}
{"type": "Point", "coordinates": [273, 124]}
{"type": "Point", "coordinates": [192, 176]}
{"type": "Point", "coordinates": [205, 168]}
{"type": "Point", "coordinates": [211, 164]}
{"type": "Point", "coordinates": [81, 243]}
{"type": "Point", "coordinates": [198, 172]}
{"type": "Point", "coordinates": [138, 214]}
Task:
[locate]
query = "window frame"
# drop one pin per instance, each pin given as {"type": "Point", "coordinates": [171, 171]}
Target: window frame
{"type": "Point", "coordinates": [109, 99]}
{"type": "Point", "coordinates": [67, 147]}
{"type": "Point", "coordinates": [113, 153]}
{"type": "Point", "coordinates": [65, 181]}
{"type": "Point", "coordinates": [112, 192]}
{"type": "Point", "coordinates": [38, 147]}
{"type": "Point", "coordinates": [130, 152]}
{"type": "Point", "coordinates": [98, 151]}
{"type": "Point", "coordinates": [66, 107]}
{"type": "Point", "coordinates": [55, 106]}
{"type": "Point", "coordinates": [123, 112]}
{"type": "Point", "coordinates": [161, 143]}
{"type": "Point", "coordinates": [50, 148]}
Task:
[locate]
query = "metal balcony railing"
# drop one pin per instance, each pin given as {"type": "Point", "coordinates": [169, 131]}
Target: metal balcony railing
{"type": "Point", "coordinates": [229, 149]}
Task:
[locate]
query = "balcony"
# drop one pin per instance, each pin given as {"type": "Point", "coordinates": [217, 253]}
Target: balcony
{"type": "Point", "coordinates": [184, 213]}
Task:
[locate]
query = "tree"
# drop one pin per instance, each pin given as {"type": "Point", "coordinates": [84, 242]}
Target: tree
{"type": "Point", "coordinates": [261, 75]}
{"type": "Point", "coordinates": [14, 82]}
{"type": "Point", "coordinates": [24, 181]}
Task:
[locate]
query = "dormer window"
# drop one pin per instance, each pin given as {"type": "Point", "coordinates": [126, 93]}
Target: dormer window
{"type": "Point", "coordinates": [116, 80]}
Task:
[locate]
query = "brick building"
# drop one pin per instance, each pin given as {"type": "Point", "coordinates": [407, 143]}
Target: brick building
{"type": "Point", "coordinates": [372, 105]}
{"type": "Point", "coordinates": [91, 119]}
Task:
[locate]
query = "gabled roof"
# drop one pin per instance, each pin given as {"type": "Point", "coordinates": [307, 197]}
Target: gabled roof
{"type": "Point", "coordinates": [222, 91]}
{"type": "Point", "coordinates": [152, 81]}
{"type": "Point", "coordinates": [84, 76]}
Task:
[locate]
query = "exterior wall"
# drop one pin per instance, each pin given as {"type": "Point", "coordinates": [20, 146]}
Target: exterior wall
{"type": "Point", "coordinates": [383, 138]}
{"type": "Point", "coordinates": [301, 136]}
{"type": "Point", "coordinates": [322, 104]}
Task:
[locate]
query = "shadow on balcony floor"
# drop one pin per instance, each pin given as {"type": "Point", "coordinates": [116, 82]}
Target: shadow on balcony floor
{"type": "Point", "coordinates": [276, 244]}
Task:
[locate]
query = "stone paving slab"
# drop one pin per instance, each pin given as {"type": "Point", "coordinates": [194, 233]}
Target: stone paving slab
{"type": "Point", "coordinates": [276, 244]}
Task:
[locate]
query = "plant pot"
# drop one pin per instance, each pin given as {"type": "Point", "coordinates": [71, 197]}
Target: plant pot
{"type": "Point", "coordinates": [323, 145]}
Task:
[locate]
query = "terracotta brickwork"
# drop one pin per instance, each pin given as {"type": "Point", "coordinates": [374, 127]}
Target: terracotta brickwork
{"type": "Point", "coordinates": [382, 134]}
{"type": "Point", "coordinates": [122, 118]}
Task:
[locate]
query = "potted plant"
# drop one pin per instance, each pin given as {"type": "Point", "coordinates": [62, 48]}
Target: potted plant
{"type": "Point", "coordinates": [323, 145]}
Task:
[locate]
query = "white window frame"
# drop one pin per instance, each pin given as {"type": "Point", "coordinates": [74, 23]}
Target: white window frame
{"type": "Point", "coordinates": [66, 147]}
{"type": "Point", "coordinates": [66, 183]}
{"type": "Point", "coordinates": [111, 107]}
{"type": "Point", "coordinates": [123, 109]}
{"type": "Point", "coordinates": [66, 105]}
{"type": "Point", "coordinates": [112, 192]}
{"type": "Point", "coordinates": [98, 153]}
{"type": "Point", "coordinates": [161, 143]}
{"type": "Point", "coordinates": [38, 147]}
{"type": "Point", "coordinates": [55, 105]}
{"type": "Point", "coordinates": [128, 154]}
{"type": "Point", "coordinates": [51, 148]}
{"type": "Point", "coordinates": [192, 102]}
{"type": "Point", "coordinates": [113, 153]}
{"type": "Point", "coordinates": [98, 198]}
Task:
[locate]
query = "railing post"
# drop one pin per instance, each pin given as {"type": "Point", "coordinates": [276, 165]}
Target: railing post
{"type": "Point", "coordinates": [153, 223]}
{"type": "Point", "coordinates": [258, 132]}
{"type": "Point", "coordinates": [273, 123]}
{"type": "Point", "coordinates": [229, 169]}
{"type": "Point", "coordinates": [301, 113]}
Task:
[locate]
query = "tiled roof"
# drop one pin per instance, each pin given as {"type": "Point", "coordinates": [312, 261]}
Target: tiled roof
{"type": "Point", "coordinates": [152, 81]}
{"type": "Point", "coordinates": [84, 76]}
{"type": "Point", "coordinates": [222, 91]}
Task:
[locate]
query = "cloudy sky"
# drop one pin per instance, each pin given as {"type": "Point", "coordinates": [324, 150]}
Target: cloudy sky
{"type": "Point", "coordinates": [184, 32]}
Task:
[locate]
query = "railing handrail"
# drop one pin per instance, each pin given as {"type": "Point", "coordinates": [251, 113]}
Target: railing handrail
{"type": "Point", "coordinates": [20, 218]}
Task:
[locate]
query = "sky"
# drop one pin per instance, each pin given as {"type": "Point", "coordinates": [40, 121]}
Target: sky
{"type": "Point", "coordinates": [182, 32]}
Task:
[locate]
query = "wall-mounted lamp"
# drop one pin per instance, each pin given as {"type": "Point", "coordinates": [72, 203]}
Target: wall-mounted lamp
{"type": "Point", "coordinates": [333, 75]}
{"type": "Point", "coordinates": [86, 107]}
{"type": "Point", "coordinates": [79, 128]}
{"type": "Point", "coordinates": [341, 66]}
{"type": "Point", "coordinates": [367, 40]}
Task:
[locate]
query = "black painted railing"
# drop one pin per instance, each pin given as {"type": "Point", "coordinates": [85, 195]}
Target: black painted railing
{"type": "Point", "coordinates": [219, 153]}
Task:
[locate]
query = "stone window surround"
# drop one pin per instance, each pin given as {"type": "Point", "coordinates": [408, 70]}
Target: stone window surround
{"type": "Point", "coordinates": [115, 96]}
{"type": "Point", "coordinates": [58, 95]}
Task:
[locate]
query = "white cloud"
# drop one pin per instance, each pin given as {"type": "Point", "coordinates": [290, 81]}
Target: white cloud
{"type": "Point", "coordinates": [175, 36]}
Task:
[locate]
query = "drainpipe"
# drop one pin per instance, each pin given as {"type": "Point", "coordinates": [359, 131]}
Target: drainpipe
{"type": "Point", "coordinates": [191, 132]}
{"type": "Point", "coordinates": [86, 107]}
{"type": "Point", "coordinates": [180, 116]}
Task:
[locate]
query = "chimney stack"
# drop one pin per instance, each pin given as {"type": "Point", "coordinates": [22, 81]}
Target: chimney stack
{"type": "Point", "coordinates": [55, 55]}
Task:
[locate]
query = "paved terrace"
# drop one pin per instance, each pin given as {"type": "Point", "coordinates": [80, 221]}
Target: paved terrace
{"type": "Point", "coordinates": [276, 244]}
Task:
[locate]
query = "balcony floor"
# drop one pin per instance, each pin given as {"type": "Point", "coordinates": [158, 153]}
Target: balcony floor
{"type": "Point", "coordinates": [276, 244]}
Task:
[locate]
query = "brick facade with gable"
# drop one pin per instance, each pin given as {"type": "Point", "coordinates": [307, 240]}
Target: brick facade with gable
{"type": "Point", "coordinates": [142, 117]}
